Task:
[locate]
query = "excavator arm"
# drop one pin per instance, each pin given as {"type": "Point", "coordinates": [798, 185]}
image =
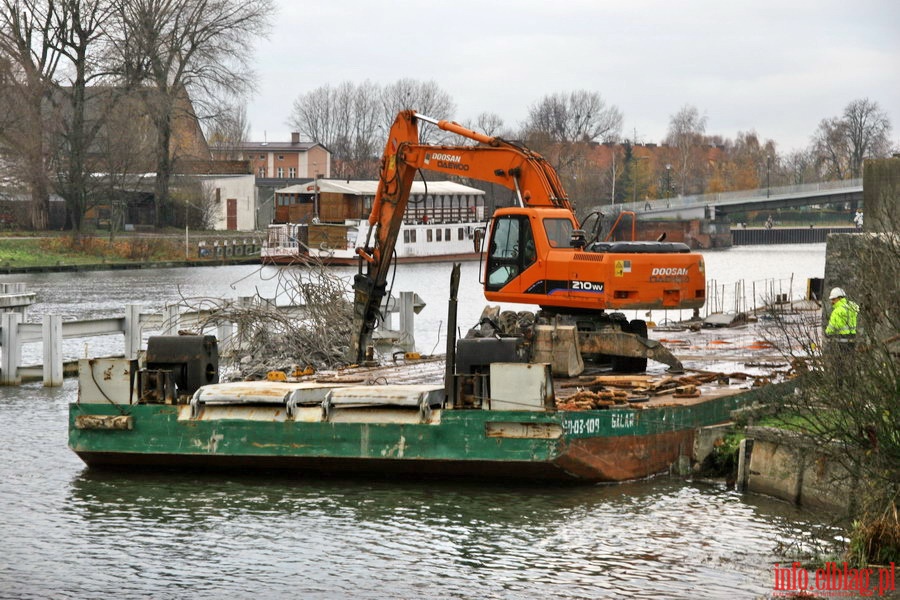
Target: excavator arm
{"type": "Point", "coordinates": [537, 253]}
{"type": "Point", "coordinates": [493, 160]}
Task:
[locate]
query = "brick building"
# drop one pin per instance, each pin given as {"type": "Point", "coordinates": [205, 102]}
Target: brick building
{"type": "Point", "coordinates": [282, 160]}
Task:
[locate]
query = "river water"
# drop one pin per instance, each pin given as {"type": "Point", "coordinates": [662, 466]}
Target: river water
{"type": "Point", "coordinates": [67, 532]}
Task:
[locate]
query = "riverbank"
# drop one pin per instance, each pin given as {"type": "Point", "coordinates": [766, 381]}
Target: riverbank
{"type": "Point", "coordinates": [55, 252]}
{"type": "Point", "coordinates": [126, 266]}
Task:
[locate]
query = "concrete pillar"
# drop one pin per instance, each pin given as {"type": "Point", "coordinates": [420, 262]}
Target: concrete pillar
{"type": "Point", "coordinates": [170, 320]}
{"type": "Point", "coordinates": [10, 348]}
{"type": "Point", "coordinates": [132, 330]}
{"type": "Point", "coordinates": [407, 327]}
{"type": "Point", "coordinates": [224, 335]}
{"type": "Point", "coordinates": [241, 336]}
{"type": "Point", "coordinates": [745, 449]}
{"type": "Point", "coordinates": [51, 334]}
{"type": "Point", "coordinates": [387, 319]}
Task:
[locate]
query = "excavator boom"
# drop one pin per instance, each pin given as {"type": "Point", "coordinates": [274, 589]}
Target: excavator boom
{"type": "Point", "coordinates": [496, 160]}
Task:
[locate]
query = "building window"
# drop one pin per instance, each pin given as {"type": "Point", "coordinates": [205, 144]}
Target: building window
{"type": "Point", "coordinates": [262, 157]}
{"type": "Point", "coordinates": [261, 172]}
{"type": "Point", "coordinates": [280, 172]}
{"type": "Point", "coordinates": [292, 172]}
{"type": "Point", "coordinates": [281, 157]}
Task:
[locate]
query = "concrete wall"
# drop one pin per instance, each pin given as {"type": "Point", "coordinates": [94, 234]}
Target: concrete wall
{"type": "Point", "coordinates": [787, 465]}
{"type": "Point", "coordinates": [881, 194]}
{"type": "Point", "coordinates": [696, 233]}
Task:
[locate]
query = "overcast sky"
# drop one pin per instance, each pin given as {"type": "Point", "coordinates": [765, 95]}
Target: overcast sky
{"type": "Point", "coordinates": [776, 67]}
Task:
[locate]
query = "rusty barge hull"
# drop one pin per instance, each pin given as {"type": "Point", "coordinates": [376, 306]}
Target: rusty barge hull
{"type": "Point", "coordinates": [589, 446]}
{"type": "Point", "coordinates": [597, 461]}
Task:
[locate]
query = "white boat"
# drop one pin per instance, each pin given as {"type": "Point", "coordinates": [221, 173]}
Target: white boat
{"type": "Point", "coordinates": [440, 222]}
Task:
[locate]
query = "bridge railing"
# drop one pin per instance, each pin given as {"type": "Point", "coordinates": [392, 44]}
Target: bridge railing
{"type": "Point", "coordinates": [694, 201]}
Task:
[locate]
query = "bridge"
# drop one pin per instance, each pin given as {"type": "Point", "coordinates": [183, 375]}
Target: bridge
{"type": "Point", "coordinates": [707, 206]}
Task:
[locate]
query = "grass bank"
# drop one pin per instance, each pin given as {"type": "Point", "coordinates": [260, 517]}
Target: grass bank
{"type": "Point", "coordinates": [48, 251]}
{"type": "Point", "coordinates": [20, 252]}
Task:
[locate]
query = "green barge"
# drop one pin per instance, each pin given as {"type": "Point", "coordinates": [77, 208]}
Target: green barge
{"type": "Point", "coordinates": [127, 417]}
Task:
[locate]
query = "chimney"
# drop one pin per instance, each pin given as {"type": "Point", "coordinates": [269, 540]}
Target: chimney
{"type": "Point", "coordinates": [295, 137]}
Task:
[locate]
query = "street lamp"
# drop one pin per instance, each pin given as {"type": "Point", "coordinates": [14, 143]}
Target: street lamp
{"type": "Point", "coordinates": [668, 181]}
{"type": "Point", "coordinates": [187, 236]}
{"type": "Point", "coordinates": [316, 194]}
{"type": "Point", "coordinates": [768, 168]}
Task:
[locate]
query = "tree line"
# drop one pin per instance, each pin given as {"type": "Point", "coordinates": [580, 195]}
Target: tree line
{"type": "Point", "coordinates": [93, 90]}
{"type": "Point", "coordinates": [582, 135]}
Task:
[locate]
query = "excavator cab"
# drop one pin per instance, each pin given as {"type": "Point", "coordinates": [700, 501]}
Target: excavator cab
{"type": "Point", "coordinates": [510, 252]}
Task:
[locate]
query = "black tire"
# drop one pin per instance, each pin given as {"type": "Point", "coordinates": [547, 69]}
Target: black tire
{"type": "Point", "coordinates": [629, 364]}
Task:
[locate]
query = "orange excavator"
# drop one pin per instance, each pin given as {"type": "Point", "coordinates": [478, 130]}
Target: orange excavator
{"type": "Point", "coordinates": [536, 252]}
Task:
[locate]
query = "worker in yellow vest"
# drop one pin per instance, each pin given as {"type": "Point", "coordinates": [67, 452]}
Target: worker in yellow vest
{"type": "Point", "coordinates": [843, 314]}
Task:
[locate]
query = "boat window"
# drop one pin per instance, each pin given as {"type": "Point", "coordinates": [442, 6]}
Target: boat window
{"type": "Point", "coordinates": [447, 234]}
{"type": "Point", "coordinates": [460, 234]}
{"type": "Point", "coordinates": [559, 232]}
{"type": "Point", "coordinates": [429, 235]}
{"type": "Point", "coordinates": [438, 235]}
{"type": "Point", "coordinates": [412, 236]}
{"type": "Point", "coordinates": [406, 236]}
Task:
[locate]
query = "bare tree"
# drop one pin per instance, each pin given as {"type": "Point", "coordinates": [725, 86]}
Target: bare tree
{"type": "Point", "coordinates": [345, 119]}
{"type": "Point", "coordinates": [228, 129]}
{"type": "Point", "coordinates": [423, 97]}
{"type": "Point", "coordinates": [843, 143]}
{"type": "Point", "coordinates": [800, 166]}
{"type": "Point", "coordinates": [352, 120]}
{"type": "Point", "coordinates": [686, 133]}
{"type": "Point", "coordinates": [189, 52]}
{"type": "Point", "coordinates": [490, 124]}
{"type": "Point", "coordinates": [868, 132]}
{"type": "Point", "coordinates": [564, 127]}
{"type": "Point", "coordinates": [364, 131]}
{"type": "Point", "coordinates": [29, 60]}
{"type": "Point", "coordinates": [314, 116]}
{"type": "Point", "coordinates": [123, 153]}
{"type": "Point", "coordinates": [574, 117]}
{"type": "Point", "coordinates": [80, 24]}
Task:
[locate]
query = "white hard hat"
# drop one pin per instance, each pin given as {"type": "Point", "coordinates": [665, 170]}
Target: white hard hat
{"type": "Point", "coordinates": [836, 293]}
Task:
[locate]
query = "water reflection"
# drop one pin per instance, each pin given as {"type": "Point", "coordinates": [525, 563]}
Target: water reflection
{"type": "Point", "coordinates": [477, 540]}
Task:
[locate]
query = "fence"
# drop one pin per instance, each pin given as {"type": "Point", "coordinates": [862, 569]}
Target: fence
{"type": "Point", "coordinates": [52, 330]}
